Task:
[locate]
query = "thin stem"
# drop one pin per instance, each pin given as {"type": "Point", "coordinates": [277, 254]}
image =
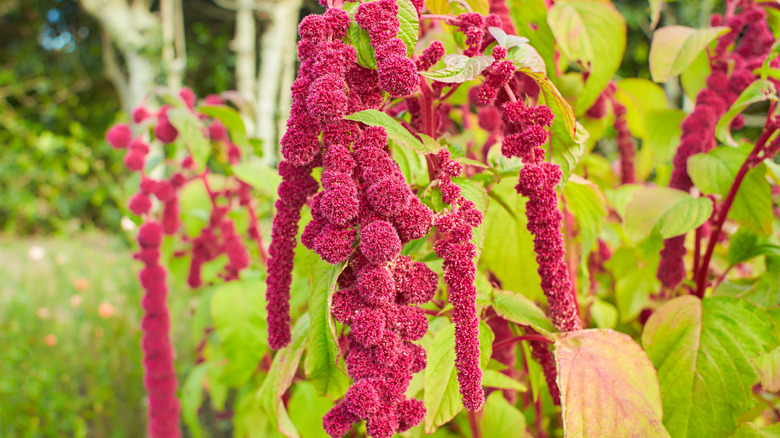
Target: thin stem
{"type": "Point", "coordinates": [450, 92]}
{"type": "Point", "coordinates": [697, 251]}
{"type": "Point", "coordinates": [474, 425]}
{"type": "Point", "coordinates": [750, 162]}
{"type": "Point", "coordinates": [510, 93]}
{"type": "Point", "coordinates": [538, 338]}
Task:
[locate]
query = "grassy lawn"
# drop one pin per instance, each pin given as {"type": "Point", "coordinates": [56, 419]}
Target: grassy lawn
{"type": "Point", "coordinates": [70, 360]}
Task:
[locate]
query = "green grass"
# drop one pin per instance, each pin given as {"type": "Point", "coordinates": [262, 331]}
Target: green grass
{"type": "Point", "coordinates": [65, 368]}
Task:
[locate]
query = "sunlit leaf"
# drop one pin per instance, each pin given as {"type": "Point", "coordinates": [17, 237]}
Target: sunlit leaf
{"type": "Point", "coordinates": [674, 47]}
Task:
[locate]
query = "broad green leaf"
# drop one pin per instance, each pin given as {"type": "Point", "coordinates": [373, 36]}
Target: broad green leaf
{"type": "Point", "coordinates": [192, 397]}
{"type": "Point", "coordinates": [694, 78]}
{"type": "Point", "coordinates": [763, 291]}
{"type": "Point", "coordinates": [443, 6]}
{"type": "Point", "coordinates": [411, 163]}
{"type": "Point", "coordinates": [395, 130]}
{"type": "Point", "coordinates": [744, 245]}
{"type": "Point", "coordinates": [702, 351]}
{"type": "Point", "coordinates": [608, 386]}
{"type": "Point", "coordinates": [430, 144]}
{"type": "Point", "coordinates": [359, 38]}
{"type": "Point", "coordinates": [258, 175]}
{"type": "Point", "coordinates": [495, 379]}
{"type": "Point", "coordinates": [410, 26]}
{"type": "Point", "coordinates": [281, 375]}
{"type": "Point", "coordinates": [249, 419]}
{"type": "Point", "coordinates": [714, 173]}
{"type": "Point", "coordinates": [504, 40]}
{"type": "Point", "coordinates": [508, 250]}
{"type": "Point", "coordinates": [322, 350]}
{"type": "Point", "coordinates": [520, 310]}
{"type": "Point", "coordinates": [232, 121]}
{"type": "Point", "coordinates": [639, 97]}
{"type": "Point", "coordinates": [530, 19]}
{"type": "Point", "coordinates": [674, 47]}
{"type": "Point", "coordinates": [768, 366]}
{"type": "Point", "coordinates": [526, 57]}
{"type": "Point", "coordinates": [595, 34]}
{"type": "Point", "coordinates": [634, 282]}
{"type": "Point", "coordinates": [460, 68]}
{"type": "Point", "coordinates": [758, 91]}
{"type": "Point", "coordinates": [238, 312]}
{"type": "Point", "coordinates": [588, 206]}
{"type": "Point", "coordinates": [500, 418]}
{"type": "Point", "coordinates": [662, 135]}
{"type": "Point", "coordinates": [190, 135]}
{"type": "Point", "coordinates": [605, 315]}
{"type": "Point", "coordinates": [305, 406]}
{"type": "Point", "coordinates": [751, 430]}
{"type": "Point", "coordinates": [672, 212]}
{"type": "Point", "coordinates": [442, 396]}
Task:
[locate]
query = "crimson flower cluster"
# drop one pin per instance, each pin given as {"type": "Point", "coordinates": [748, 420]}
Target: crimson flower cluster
{"type": "Point", "coordinates": [365, 191]}
{"type": "Point", "coordinates": [737, 54]}
{"type": "Point", "coordinates": [524, 135]}
{"type": "Point", "coordinates": [218, 237]}
{"type": "Point", "coordinates": [474, 27]}
{"type": "Point", "coordinates": [625, 141]}
{"type": "Point", "coordinates": [158, 354]}
{"type": "Point", "coordinates": [458, 253]}
{"type": "Point", "coordinates": [397, 73]}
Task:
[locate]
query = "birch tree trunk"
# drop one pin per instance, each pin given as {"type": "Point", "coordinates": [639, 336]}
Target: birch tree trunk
{"type": "Point", "coordinates": [277, 71]}
{"type": "Point", "coordinates": [131, 31]}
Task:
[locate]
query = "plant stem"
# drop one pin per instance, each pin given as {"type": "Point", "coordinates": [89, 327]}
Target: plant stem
{"type": "Point", "coordinates": [538, 338]}
{"type": "Point", "coordinates": [750, 161]}
{"type": "Point", "coordinates": [474, 425]}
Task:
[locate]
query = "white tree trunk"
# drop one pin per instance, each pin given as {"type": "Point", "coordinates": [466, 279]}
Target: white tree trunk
{"type": "Point", "coordinates": [277, 65]}
{"type": "Point", "coordinates": [246, 55]}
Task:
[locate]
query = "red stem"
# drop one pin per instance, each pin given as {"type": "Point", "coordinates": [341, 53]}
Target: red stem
{"type": "Point", "coordinates": [750, 162]}
{"type": "Point", "coordinates": [539, 338]}
{"type": "Point", "coordinates": [474, 425]}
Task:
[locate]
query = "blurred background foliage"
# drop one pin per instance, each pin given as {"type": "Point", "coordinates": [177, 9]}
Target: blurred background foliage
{"type": "Point", "coordinates": [69, 319]}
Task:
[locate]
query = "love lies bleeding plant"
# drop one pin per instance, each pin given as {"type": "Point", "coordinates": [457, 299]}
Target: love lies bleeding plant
{"type": "Point", "coordinates": [500, 235]}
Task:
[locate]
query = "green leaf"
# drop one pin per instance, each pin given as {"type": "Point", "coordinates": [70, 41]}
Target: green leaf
{"type": "Point", "coordinates": [441, 397]}
{"type": "Point", "coordinates": [608, 386]}
{"type": "Point", "coordinates": [655, 12]}
{"type": "Point", "coordinates": [476, 193]}
{"type": "Point", "coordinates": [744, 245]}
{"type": "Point", "coordinates": [662, 134]}
{"type": "Point", "coordinates": [672, 212]}
{"type": "Point", "coordinates": [634, 282]}
{"type": "Point", "coordinates": [639, 97]}
{"type": "Point", "coordinates": [238, 312]}
{"type": "Point", "coordinates": [500, 418]}
{"type": "Point", "coordinates": [322, 350]}
{"type": "Point", "coordinates": [508, 250]}
{"type": "Point", "coordinates": [190, 135]}
{"type": "Point", "coordinates": [758, 91]}
{"type": "Point", "coordinates": [674, 47]}
{"type": "Point", "coordinates": [588, 206]}
{"type": "Point", "coordinates": [192, 398]}
{"type": "Point", "coordinates": [395, 130]}
{"type": "Point", "coordinates": [526, 57]}
{"type": "Point", "coordinates": [702, 351]}
{"type": "Point", "coordinates": [605, 315]}
{"type": "Point", "coordinates": [258, 175]}
{"type": "Point", "coordinates": [431, 145]}
{"type": "Point", "coordinates": [595, 34]}
{"type": "Point", "coordinates": [714, 173]}
{"type": "Point", "coordinates": [750, 430]}
{"type": "Point", "coordinates": [359, 39]}
{"type": "Point", "coordinates": [495, 379]}
{"type": "Point", "coordinates": [694, 78]}
{"type": "Point", "coordinates": [768, 366]}
{"type": "Point", "coordinates": [410, 26]}
{"type": "Point", "coordinates": [504, 40]}
{"type": "Point", "coordinates": [232, 121]}
{"type": "Point", "coordinates": [281, 375]}
{"type": "Point", "coordinates": [305, 405]}
{"type": "Point", "coordinates": [520, 310]}
{"type": "Point", "coordinates": [460, 68]}
{"type": "Point", "coordinates": [530, 19]}
{"type": "Point", "coordinates": [411, 163]}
